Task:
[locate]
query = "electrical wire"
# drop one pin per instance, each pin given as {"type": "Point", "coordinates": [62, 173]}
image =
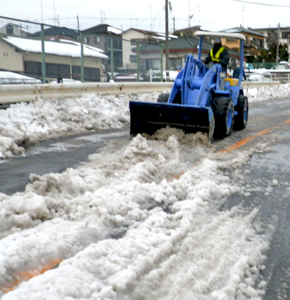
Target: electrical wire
{"type": "Point", "coordinates": [259, 3]}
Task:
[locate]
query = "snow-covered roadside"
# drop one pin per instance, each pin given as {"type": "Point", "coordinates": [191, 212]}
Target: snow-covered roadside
{"type": "Point", "coordinates": [125, 226]}
{"type": "Point", "coordinates": [140, 222]}
{"type": "Point", "coordinates": [27, 123]}
{"type": "Point", "coordinates": [23, 124]}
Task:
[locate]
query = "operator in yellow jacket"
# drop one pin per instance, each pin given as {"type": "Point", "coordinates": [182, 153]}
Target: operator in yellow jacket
{"type": "Point", "coordinates": [218, 54]}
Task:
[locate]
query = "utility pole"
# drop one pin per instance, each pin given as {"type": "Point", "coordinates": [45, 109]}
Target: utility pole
{"type": "Point", "coordinates": [278, 44]}
{"type": "Point", "coordinates": [167, 40]}
{"type": "Point", "coordinates": [189, 15]}
{"type": "Point", "coordinates": [82, 51]}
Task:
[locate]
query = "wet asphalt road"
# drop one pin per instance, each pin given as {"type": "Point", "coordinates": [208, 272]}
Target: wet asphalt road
{"type": "Point", "coordinates": [53, 156]}
{"type": "Point", "coordinates": [269, 171]}
{"type": "Point", "coordinates": [268, 183]}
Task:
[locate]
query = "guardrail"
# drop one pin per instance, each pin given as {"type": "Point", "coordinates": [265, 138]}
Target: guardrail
{"type": "Point", "coordinates": [258, 84]}
{"type": "Point", "coordinates": [27, 93]}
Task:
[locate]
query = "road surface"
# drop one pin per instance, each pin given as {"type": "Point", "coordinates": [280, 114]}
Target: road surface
{"type": "Point", "coordinates": [265, 177]}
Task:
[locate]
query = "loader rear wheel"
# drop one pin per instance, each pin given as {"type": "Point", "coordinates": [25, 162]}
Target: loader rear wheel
{"type": "Point", "coordinates": [242, 108]}
{"type": "Point", "coordinates": [163, 98]}
{"type": "Point", "coordinates": [223, 108]}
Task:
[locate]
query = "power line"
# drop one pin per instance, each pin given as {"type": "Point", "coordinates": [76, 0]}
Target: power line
{"type": "Point", "coordinates": [264, 4]}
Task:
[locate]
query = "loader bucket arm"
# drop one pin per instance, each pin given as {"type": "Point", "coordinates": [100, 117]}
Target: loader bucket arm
{"type": "Point", "coordinates": [192, 84]}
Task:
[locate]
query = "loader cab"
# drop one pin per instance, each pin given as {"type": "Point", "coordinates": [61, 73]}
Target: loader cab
{"type": "Point", "coordinates": [231, 86]}
{"type": "Point", "coordinates": [213, 35]}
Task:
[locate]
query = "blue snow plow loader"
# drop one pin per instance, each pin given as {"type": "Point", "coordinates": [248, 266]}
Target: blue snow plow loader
{"type": "Point", "coordinates": [202, 99]}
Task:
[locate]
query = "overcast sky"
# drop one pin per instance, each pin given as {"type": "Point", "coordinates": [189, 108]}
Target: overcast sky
{"type": "Point", "coordinates": [149, 14]}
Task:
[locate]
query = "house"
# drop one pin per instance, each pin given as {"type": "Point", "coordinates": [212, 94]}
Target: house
{"type": "Point", "coordinates": [255, 41]}
{"type": "Point", "coordinates": [102, 36]}
{"type": "Point", "coordinates": [15, 29]}
{"type": "Point", "coordinates": [134, 36]}
{"type": "Point", "coordinates": [57, 33]}
{"type": "Point", "coordinates": [189, 31]}
{"type": "Point", "coordinates": [62, 59]}
{"type": "Point", "coordinates": [109, 39]}
{"type": "Point", "coordinates": [152, 56]}
{"type": "Point", "coordinates": [274, 34]}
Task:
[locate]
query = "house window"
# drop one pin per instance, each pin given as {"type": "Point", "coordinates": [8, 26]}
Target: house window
{"type": "Point", "coordinates": [258, 42]}
{"type": "Point", "coordinates": [92, 74]}
{"type": "Point", "coordinates": [154, 64]}
{"type": "Point", "coordinates": [86, 40]}
{"type": "Point", "coordinates": [9, 29]}
{"type": "Point", "coordinates": [133, 58]}
{"type": "Point", "coordinates": [133, 42]}
{"type": "Point", "coordinates": [96, 39]}
{"type": "Point", "coordinates": [285, 34]}
{"type": "Point", "coordinates": [56, 70]}
{"type": "Point", "coordinates": [33, 69]}
{"type": "Point", "coordinates": [117, 44]}
{"type": "Point", "coordinates": [175, 63]}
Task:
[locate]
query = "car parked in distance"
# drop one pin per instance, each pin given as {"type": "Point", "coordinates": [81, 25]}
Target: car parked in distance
{"type": "Point", "coordinates": [66, 81]}
{"type": "Point", "coordinates": [249, 66]}
{"type": "Point", "coordinates": [282, 65]}
{"type": "Point", "coordinates": [260, 76]}
{"type": "Point", "coordinates": [7, 77]}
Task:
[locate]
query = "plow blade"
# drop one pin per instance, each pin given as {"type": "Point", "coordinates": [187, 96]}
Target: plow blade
{"type": "Point", "coordinates": [147, 117]}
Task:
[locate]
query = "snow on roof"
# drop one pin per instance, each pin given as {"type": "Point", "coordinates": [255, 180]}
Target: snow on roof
{"type": "Point", "coordinates": [21, 28]}
{"type": "Point", "coordinates": [162, 37]}
{"type": "Point", "coordinates": [55, 48]}
{"type": "Point", "coordinates": [114, 30]}
{"type": "Point", "coordinates": [154, 34]}
{"type": "Point", "coordinates": [78, 44]}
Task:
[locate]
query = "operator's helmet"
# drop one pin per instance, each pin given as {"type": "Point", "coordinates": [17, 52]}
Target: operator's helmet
{"type": "Point", "coordinates": [217, 41]}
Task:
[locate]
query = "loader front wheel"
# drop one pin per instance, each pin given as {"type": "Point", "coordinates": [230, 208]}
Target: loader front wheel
{"type": "Point", "coordinates": [241, 119]}
{"type": "Point", "coordinates": [223, 108]}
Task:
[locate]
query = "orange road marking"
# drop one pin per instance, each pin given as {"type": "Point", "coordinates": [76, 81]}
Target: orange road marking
{"type": "Point", "coordinates": [250, 138]}
{"type": "Point", "coordinates": [240, 144]}
{"type": "Point", "coordinates": [246, 140]}
{"type": "Point", "coordinates": [25, 276]}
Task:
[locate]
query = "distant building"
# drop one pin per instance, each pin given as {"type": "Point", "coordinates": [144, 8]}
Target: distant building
{"type": "Point", "coordinates": [55, 33]}
{"type": "Point", "coordinates": [273, 37]}
{"type": "Point", "coordinates": [14, 29]}
{"type": "Point", "coordinates": [132, 37]}
{"type": "Point", "coordinates": [190, 31]}
{"type": "Point", "coordinates": [152, 55]}
{"type": "Point", "coordinates": [109, 39]}
{"type": "Point", "coordinates": [255, 41]}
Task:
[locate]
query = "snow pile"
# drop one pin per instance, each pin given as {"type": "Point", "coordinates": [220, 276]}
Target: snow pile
{"type": "Point", "coordinates": [267, 93]}
{"type": "Point", "coordinates": [142, 220]}
{"type": "Point", "coordinates": [130, 224]}
{"type": "Point", "coordinates": [23, 124]}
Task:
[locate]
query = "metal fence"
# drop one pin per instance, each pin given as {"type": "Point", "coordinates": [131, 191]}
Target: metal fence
{"type": "Point", "coordinates": [48, 53]}
{"type": "Point", "coordinates": [59, 54]}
